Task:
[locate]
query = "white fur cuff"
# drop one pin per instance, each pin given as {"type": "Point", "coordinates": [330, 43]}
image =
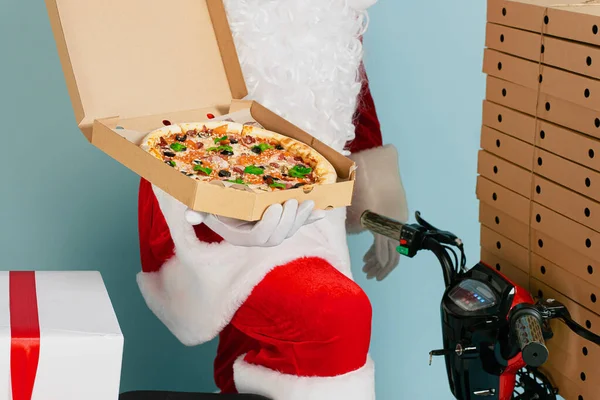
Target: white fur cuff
{"type": "Point", "coordinates": [356, 385]}
{"type": "Point", "coordinates": [378, 187]}
{"type": "Point", "coordinates": [361, 4]}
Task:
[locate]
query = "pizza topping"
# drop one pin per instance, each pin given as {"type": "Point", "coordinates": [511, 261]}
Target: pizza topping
{"type": "Point", "coordinates": [202, 170]}
{"type": "Point", "coordinates": [218, 162]}
{"type": "Point", "coordinates": [297, 185]}
{"type": "Point", "coordinates": [277, 185]}
{"type": "Point", "coordinates": [251, 169]}
{"type": "Point", "coordinates": [178, 147]}
{"type": "Point", "coordinates": [239, 181]}
{"type": "Point", "coordinates": [226, 148]}
{"type": "Point", "coordinates": [239, 170]}
{"type": "Point", "coordinates": [248, 139]}
{"type": "Point", "coordinates": [169, 153]}
{"type": "Point", "coordinates": [163, 142]}
{"type": "Point", "coordinates": [199, 145]}
{"type": "Point", "coordinates": [258, 149]}
{"type": "Point", "coordinates": [217, 140]}
{"type": "Point", "coordinates": [227, 152]}
{"type": "Point", "coordinates": [233, 140]}
{"type": "Point", "coordinates": [181, 138]}
{"type": "Point", "coordinates": [298, 159]}
{"type": "Point", "coordinates": [279, 147]}
{"type": "Point", "coordinates": [299, 171]}
{"type": "Point", "coordinates": [224, 173]}
{"type": "Point", "coordinates": [170, 162]}
{"type": "Point", "coordinates": [274, 165]}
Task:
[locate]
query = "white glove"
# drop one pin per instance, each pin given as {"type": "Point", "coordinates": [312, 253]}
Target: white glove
{"type": "Point", "coordinates": [382, 193]}
{"type": "Point", "coordinates": [277, 224]}
{"type": "Point", "coordinates": [382, 258]}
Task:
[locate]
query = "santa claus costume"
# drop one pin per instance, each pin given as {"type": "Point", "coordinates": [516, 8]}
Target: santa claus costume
{"type": "Point", "coordinates": [279, 293]}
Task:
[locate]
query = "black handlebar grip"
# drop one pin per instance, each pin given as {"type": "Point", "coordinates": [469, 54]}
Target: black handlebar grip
{"type": "Point", "coordinates": [382, 225]}
{"type": "Point", "coordinates": [528, 330]}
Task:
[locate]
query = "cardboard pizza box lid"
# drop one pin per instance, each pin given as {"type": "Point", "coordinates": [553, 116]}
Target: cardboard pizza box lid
{"type": "Point", "coordinates": [570, 19]}
{"type": "Point", "coordinates": [134, 58]}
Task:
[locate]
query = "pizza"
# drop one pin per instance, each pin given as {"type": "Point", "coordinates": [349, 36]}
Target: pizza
{"type": "Point", "coordinates": [240, 155]}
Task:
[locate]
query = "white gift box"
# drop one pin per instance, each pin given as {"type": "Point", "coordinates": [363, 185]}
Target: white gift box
{"type": "Point", "coordinates": [59, 337]}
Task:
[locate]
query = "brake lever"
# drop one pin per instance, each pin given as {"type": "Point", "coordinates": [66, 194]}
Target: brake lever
{"type": "Point", "coordinates": [444, 237]}
{"type": "Point", "coordinates": [552, 309]}
{"type": "Point", "coordinates": [424, 223]}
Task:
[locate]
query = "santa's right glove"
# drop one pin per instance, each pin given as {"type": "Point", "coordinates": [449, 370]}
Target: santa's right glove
{"type": "Point", "coordinates": [278, 223]}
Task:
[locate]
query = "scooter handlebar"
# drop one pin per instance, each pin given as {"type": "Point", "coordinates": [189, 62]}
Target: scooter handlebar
{"type": "Point", "coordinates": [382, 225]}
{"type": "Point", "coordinates": [528, 330]}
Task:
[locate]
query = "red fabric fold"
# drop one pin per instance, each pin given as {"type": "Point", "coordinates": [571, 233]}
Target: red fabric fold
{"type": "Point", "coordinates": [25, 333]}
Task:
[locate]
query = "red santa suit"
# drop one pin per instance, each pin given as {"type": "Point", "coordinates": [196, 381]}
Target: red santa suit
{"type": "Point", "coordinates": [292, 323]}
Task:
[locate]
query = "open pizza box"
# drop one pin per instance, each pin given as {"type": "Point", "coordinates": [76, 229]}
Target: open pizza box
{"type": "Point", "coordinates": [133, 66]}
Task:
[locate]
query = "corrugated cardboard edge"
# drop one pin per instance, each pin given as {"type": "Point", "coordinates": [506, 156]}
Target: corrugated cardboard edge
{"type": "Point", "coordinates": [233, 69]}
{"type": "Point", "coordinates": [63, 53]}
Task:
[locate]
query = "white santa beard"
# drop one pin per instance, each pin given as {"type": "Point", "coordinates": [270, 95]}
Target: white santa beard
{"type": "Point", "coordinates": [301, 58]}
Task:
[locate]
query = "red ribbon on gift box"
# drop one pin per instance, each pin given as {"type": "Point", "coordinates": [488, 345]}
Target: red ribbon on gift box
{"type": "Point", "coordinates": [24, 333]}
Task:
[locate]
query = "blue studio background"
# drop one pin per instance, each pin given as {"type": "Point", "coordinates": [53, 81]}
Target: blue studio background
{"type": "Point", "coordinates": [69, 206]}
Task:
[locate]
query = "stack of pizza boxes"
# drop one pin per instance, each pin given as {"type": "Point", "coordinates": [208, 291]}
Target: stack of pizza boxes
{"type": "Point", "coordinates": [539, 168]}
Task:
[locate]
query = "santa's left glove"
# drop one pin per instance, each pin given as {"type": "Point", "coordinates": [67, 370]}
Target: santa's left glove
{"type": "Point", "coordinates": [378, 188]}
{"type": "Point", "coordinates": [278, 223]}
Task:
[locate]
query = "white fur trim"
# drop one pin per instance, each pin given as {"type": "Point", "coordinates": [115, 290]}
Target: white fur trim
{"type": "Point", "coordinates": [300, 58]}
{"type": "Point", "coordinates": [361, 4]}
{"type": "Point", "coordinates": [356, 385]}
{"type": "Point", "coordinates": [197, 292]}
{"type": "Point", "coordinates": [378, 186]}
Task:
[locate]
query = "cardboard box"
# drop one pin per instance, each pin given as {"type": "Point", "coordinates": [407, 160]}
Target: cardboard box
{"type": "Point", "coordinates": [563, 142]}
{"type": "Point", "coordinates": [560, 53]}
{"type": "Point", "coordinates": [567, 389]}
{"type": "Point", "coordinates": [509, 175]}
{"type": "Point", "coordinates": [584, 377]}
{"type": "Point", "coordinates": [512, 272]}
{"type": "Point", "coordinates": [549, 108]}
{"type": "Point", "coordinates": [569, 174]}
{"type": "Point", "coordinates": [545, 192]}
{"type": "Point", "coordinates": [573, 344]}
{"type": "Point", "coordinates": [61, 338]}
{"type": "Point", "coordinates": [514, 123]}
{"type": "Point", "coordinates": [571, 357]}
{"type": "Point", "coordinates": [504, 248]}
{"type": "Point", "coordinates": [543, 245]}
{"type": "Point", "coordinates": [571, 19]}
{"type": "Point", "coordinates": [576, 236]}
{"type": "Point", "coordinates": [579, 314]}
{"type": "Point", "coordinates": [508, 147]}
{"type": "Point", "coordinates": [575, 263]}
{"type": "Point", "coordinates": [566, 283]}
{"type": "Point", "coordinates": [503, 199]}
{"type": "Point", "coordinates": [504, 224]}
{"type": "Point", "coordinates": [553, 81]}
{"type": "Point", "coordinates": [572, 234]}
{"type": "Point", "coordinates": [116, 102]}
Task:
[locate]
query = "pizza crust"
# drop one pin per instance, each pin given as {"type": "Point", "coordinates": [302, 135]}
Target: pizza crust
{"type": "Point", "coordinates": [322, 168]}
